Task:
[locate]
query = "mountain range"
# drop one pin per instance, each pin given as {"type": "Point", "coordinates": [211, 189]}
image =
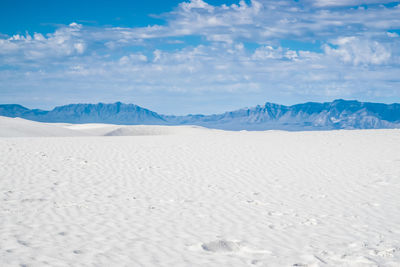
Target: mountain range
{"type": "Point", "coordinates": [338, 114]}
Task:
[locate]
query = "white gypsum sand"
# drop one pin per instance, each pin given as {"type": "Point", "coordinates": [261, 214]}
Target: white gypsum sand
{"type": "Point", "coordinates": [188, 196]}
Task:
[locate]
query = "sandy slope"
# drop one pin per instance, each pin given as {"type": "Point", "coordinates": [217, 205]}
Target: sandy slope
{"type": "Point", "coordinates": [17, 127]}
{"type": "Point", "coordinates": [202, 198]}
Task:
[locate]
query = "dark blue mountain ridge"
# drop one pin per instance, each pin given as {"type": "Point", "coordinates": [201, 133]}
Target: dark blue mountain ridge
{"type": "Point", "coordinates": [116, 113]}
{"type": "Point", "coordinates": [338, 114]}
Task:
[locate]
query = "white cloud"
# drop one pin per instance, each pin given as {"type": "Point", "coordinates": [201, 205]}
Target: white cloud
{"type": "Point", "coordinates": [326, 3]}
{"type": "Point", "coordinates": [268, 52]}
{"type": "Point", "coordinates": [65, 41]}
{"type": "Point", "coordinates": [157, 55]}
{"type": "Point", "coordinates": [188, 6]}
{"type": "Point", "coordinates": [358, 51]}
{"type": "Point", "coordinates": [392, 34]}
{"type": "Point", "coordinates": [79, 47]}
{"type": "Point", "coordinates": [132, 59]}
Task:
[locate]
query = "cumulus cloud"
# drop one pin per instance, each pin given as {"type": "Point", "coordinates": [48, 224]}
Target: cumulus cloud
{"type": "Point", "coordinates": [326, 3]}
{"type": "Point", "coordinates": [133, 59]}
{"type": "Point", "coordinates": [188, 6]}
{"type": "Point", "coordinates": [65, 41]}
{"type": "Point", "coordinates": [357, 51]}
{"type": "Point", "coordinates": [392, 34]}
{"type": "Point", "coordinates": [268, 52]}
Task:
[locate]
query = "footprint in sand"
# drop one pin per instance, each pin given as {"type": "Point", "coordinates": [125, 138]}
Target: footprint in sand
{"type": "Point", "coordinates": [226, 246]}
{"type": "Point", "coordinates": [23, 243]}
{"type": "Point", "coordinates": [221, 246]}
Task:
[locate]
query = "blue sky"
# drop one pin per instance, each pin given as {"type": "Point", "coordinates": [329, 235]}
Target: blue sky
{"type": "Point", "coordinates": [179, 57]}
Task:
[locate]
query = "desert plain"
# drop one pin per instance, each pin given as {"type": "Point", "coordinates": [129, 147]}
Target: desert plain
{"type": "Point", "coordinates": [114, 195]}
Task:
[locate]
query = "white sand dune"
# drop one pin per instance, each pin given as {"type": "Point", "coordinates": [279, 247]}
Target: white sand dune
{"type": "Point", "coordinates": [201, 198]}
{"type": "Point", "coordinates": [139, 130]}
{"type": "Point", "coordinates": [98, 129]}
{"type": "Point", "coordinates": [17, 127]}
{"type": "Point", "coordinates": [95, 129]}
